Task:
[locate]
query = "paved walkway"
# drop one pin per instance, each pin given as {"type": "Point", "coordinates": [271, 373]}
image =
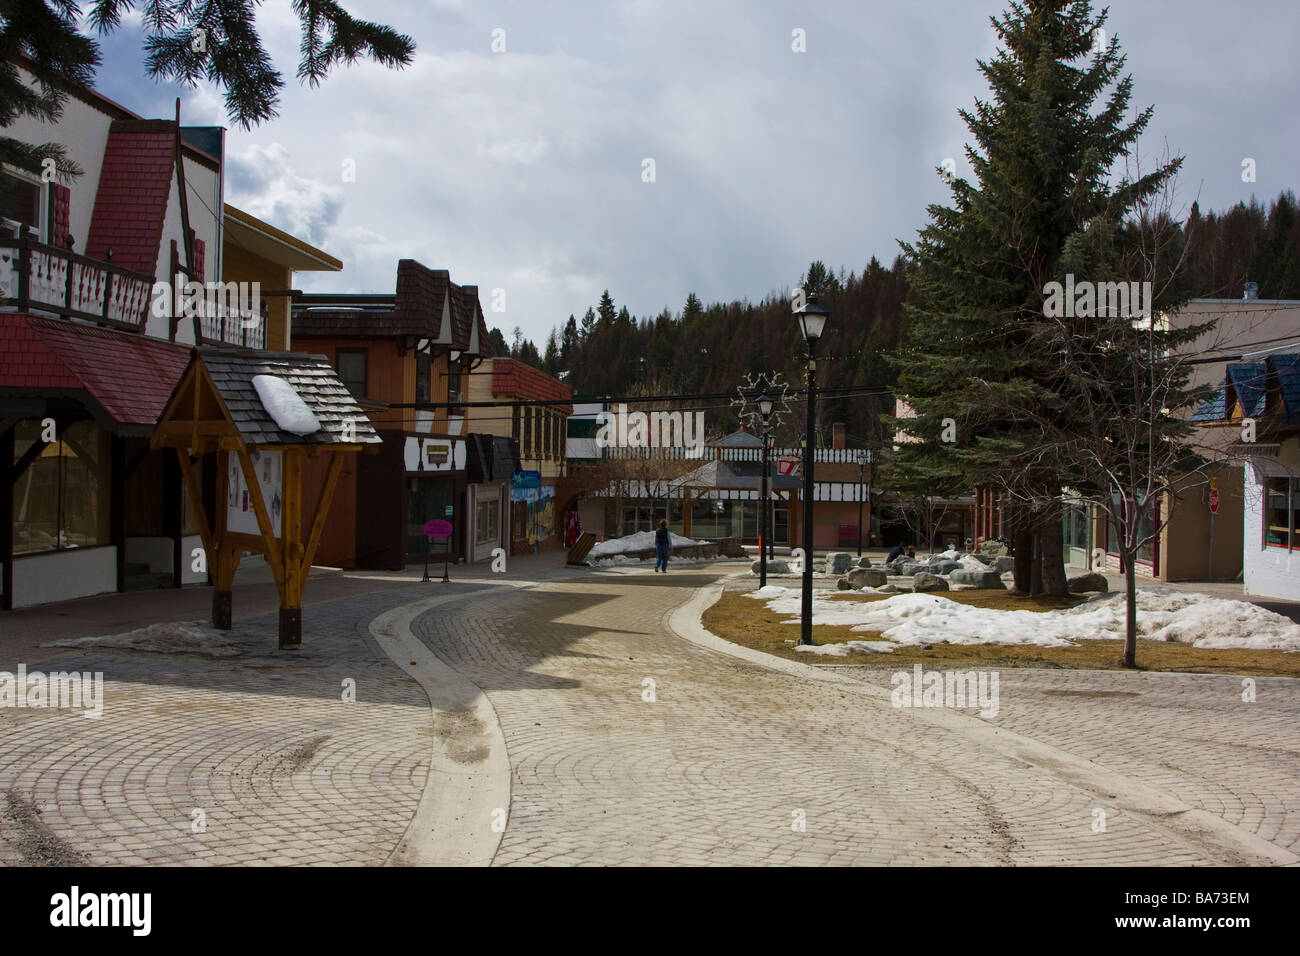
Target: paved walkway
{"type": "Point", "coordinates": [629, 740]}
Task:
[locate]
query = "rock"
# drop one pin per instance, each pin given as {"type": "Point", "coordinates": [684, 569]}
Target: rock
{"type": "Point", "coordinates": [1092, 581]}
{"type": "Point", "coordinates": [912, 567]}
{"type": "Point", "coordinates": [864, 562]}
{"type": "Point", "coordinates": [774, 566]}
{"type": "Point", "coordinates": [945, 566]}
{"type": "Point", "coordinates": [837, 562]}
{"type": "Point", "coordinates": [925, 581]}
{"type": "Point", "coordinates": [983, 559]}
{"type": "Point", "coordinates": [993, 548]}
{"type": "Point", "coordinates": [867, 578]}
{"type": "Point", "coordinates": [844, 584]}
{"type": "Point", "coordinates": [1003, 564]}
{"type": "Point", "coordinates": [888, 589]}
{"type": "Point", "coordinates": [979, 579]}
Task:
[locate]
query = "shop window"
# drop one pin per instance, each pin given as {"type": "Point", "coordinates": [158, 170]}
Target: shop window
{"type": "Point", "coordinates": [453, 381]}
{"type": "Point", "coordinates": [1279, 514]}
{"type": "Point", "coordinates": [61, 501]}
{"type": "Point", "coordinates": [486, 528]}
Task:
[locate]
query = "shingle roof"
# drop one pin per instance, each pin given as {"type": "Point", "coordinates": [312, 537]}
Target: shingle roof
{"type": "Point", "coordinates": [740, 439]}
{"type": "Point", "coordinates": [1214, 409]}
{"type": "Point", "coordinates": [312, 378]}
{"type": "Point", "coordinates": [516, 379]}
{"type": "Point", "coordinates": [127, 377]}
{"type": "Point", "coordinates": [1287, 370]}
{"type": "Point", "coordinates": [135, 182]}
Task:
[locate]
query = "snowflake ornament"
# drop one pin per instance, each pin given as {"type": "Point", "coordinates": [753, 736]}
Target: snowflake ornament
{"type": "Point", "coordinates": [773, 385]}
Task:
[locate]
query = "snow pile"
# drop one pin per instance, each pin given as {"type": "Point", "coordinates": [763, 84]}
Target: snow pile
{"type": "Point", "coordinates": [283, 403]}
{"type": "Point", "coordinates": [845, 649]}
{"type": "Point", "coordinates": [181, 637]}
{"type": "Point", "coordinates": [1164, 614]}
{"type": "Point", "coordinates": [972, 564]}
{"type": "Point", "coordinates": [641, 541]}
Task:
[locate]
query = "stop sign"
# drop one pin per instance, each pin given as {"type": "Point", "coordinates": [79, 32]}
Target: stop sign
{"type": "Point", "coordinates": [1214, 501]}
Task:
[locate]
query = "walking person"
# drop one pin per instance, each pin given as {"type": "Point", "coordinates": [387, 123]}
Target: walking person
{"type": "Point", "coordinates": [663, 542]}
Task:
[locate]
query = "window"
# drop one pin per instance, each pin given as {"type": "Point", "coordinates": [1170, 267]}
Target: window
{"type": "Point", "coordinates": [453, 381]}
{"type": "Point", "coordinates": [352, 370]}
{"type": "Point", "coordinates": [20, 201]}
{"type": "Point", "coordinates": [1279, 513]}
{"type": "Point", "coordinates": [486, 517]}
{"type": "Point", "coordinates": [514, 422]}
{"type": "Point", "coordinates": [528, 433]}
{"type": "Point", "coordinates": [61, 501]}
{"type": "Point", "coordinates": [1074, 523]}
{"type": "Point", "coordinates": [422, 365]}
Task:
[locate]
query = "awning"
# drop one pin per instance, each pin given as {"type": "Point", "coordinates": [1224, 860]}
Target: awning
{"type": "Point", "coordinates": [121, 379]}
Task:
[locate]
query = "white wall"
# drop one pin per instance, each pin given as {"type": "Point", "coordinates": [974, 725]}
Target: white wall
{"type": "Point", "coordinates": [1266, 572]}
{"type": "Point", "coordinates": [157, 553]}
{"type": "Point", "coordinates": [63, 575]}
{"type": "Point", "coordinates": [478, 493]}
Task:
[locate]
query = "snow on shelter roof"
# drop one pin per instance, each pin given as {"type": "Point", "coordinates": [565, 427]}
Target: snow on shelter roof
{"type": "Point", "coordinates": [311, 376]}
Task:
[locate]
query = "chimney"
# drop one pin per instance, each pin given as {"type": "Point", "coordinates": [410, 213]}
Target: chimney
{"type": "Point", "coordinates": [837, 435]}
{"type": "Point", "coordinates": [1251, 292]}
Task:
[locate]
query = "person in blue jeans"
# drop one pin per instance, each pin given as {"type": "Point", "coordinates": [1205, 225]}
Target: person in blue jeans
{"type": "Point", "coordinates": [663, 542]}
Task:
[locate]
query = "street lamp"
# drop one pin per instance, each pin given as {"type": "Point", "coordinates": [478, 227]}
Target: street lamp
{"type": "Point", "coordinates": [812, 320]}
{"type": "Point", "coordinates": [764, 409]}
{"type": "Point", "coordinates": [862, 472]}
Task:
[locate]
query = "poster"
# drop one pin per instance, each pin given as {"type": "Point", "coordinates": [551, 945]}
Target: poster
{"type": "Point", "coordinates": [540, 505]}
{"type": "Point", "coordinates": [240, 515]}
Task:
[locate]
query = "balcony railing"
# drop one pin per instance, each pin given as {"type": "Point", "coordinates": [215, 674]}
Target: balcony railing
{"type": "Point", "coordinates": [234, 326]}
{"type": "Point", "coordinates": [37, 276]}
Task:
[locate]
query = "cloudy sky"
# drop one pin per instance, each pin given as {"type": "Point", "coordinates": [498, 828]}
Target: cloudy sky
{"type": "Point", "coordinates": [525, 170]}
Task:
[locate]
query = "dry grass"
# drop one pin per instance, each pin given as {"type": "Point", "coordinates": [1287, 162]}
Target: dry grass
{"type": "Point", "coordinates": [743, 620]}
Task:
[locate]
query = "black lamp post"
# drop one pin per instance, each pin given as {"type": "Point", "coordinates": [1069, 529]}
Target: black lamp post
{"type": "Point", "coordinates": [812, 320]}
{"type": "Point", "coordinates": [764, 409]}
{"type": "Point", "coordinates": [862, 475]}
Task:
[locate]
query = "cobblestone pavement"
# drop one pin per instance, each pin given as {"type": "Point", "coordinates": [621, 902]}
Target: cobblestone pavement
{"type": "Point", "coordinates": [629, 743]}
{"type": "Point", "coordinates": [255, 749]}
{"type": "Point", "coordinates": [738, 763]}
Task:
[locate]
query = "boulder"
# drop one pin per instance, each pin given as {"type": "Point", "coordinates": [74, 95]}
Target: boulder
{"type": "Point", "coordinates": [867, 578]}
{"type": "Point", "coordinates": [983, 559]}
{"type": "Point", "coordinates": [774, 566]}
{"type": "Point", "coordinates": [993, 548]}
{"type": "Point", "coordinates": [925, 581]}
{"type": "Point", "coordinates": [888, 589]}
{"type": "Point", "coordinates": [944, 566]}
{"type": "Point", "coordinates": [978, 579]}
{"type": "Point", "coordinates": [1092, 581]}
{"type": "Point", "coordinates": [844, 584]}
{"type": "Point", "coordinates": [864, 562]}
{"type": "Point", "coordinates": [838, 562]}
{"type": "Point", "coordinates": [911, 567]}
{"type": "Point", "coordinates": [1003, 564]}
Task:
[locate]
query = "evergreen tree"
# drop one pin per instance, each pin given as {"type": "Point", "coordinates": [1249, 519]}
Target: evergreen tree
{"type": "Point", "coordinates": [588, 324]}
{"type": "Point", "coordinates": [1044, 205]}
{"type": "Point", "coordinates": [605, 310]}
{"type": "Point", "coordinates": [570, 343]}
{"type": "Point", "coordinates": [551, 361]}
{"type": "Point", "coordinates": [497, 343]}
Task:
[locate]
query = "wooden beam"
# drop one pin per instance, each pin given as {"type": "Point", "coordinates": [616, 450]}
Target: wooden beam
{"type": "Point", "coordinates": [322, 509]}
{"type": "Point", "coordinates": [292, 551]}
{"type": "Point", "coordinates": [196, 498]}
{"type": "Point", "coordinates": [273, 553]}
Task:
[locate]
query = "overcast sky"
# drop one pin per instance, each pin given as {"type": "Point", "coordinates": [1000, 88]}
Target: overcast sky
{"type": "Point", "coordinates": [524, 170]}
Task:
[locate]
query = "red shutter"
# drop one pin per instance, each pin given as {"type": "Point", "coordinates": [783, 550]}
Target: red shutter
{"type": "Point", "coordinates": [199, 256]}
{"type": "Point", "coordinates": [62, 235]}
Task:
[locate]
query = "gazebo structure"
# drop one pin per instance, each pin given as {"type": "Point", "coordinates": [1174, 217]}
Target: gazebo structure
{"type": "Point", "coordinates": [253, 417]}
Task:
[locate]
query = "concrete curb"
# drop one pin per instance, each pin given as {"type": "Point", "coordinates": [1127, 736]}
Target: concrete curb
{"type": "Point", "coordinates": [1179, 821]}
{"type": "Point", "coordinates": [466, 801]}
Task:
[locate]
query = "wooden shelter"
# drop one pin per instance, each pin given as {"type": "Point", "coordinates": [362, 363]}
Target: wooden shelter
{"type": "Point", "coordinates": [215, 410]}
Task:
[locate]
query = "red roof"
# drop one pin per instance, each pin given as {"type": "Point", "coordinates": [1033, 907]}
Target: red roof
{"type": "Point", "coordinates": [135, 182]}
{"type": "Point", "coordinates": [523, 381]}
{"type": "Point", "coordinates": [128, 376]}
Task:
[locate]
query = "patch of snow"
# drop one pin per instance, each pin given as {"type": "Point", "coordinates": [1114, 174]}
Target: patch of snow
{"type": "Point", "coordinates": [1164, 614]}
{"type": "Point", "coordinates": [640, 541]}
{"type": "Point", "coordinates": [847, 648]}
{"type": "Point", "coordinates": [285, 406]}
{"type": "Point", "coordinates": [972, 564]}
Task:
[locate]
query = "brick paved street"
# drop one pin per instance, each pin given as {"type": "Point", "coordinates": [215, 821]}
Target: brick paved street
{"type": "Point", "coordinates": [719, 761]}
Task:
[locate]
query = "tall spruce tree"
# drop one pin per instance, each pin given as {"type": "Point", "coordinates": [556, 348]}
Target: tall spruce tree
{"type": "Point", "coordinates": [1047, 158]}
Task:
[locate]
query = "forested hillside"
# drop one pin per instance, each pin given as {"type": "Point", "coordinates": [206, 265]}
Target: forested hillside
{"type": "Point", "coordinates": [710, 348]}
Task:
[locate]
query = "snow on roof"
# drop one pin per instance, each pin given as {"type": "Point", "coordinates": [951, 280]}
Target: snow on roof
{"type": "Point", "coordinates": [285, 406]}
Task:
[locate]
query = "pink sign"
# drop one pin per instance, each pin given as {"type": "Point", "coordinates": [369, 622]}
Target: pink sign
{"type": "Point", "coordinates": [437, 529]}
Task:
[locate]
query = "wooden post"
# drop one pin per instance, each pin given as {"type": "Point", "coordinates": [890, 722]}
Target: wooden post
{"type": "Point", "coordinates": [291, 551]}
{"type": "Point", "coordinates": [117, 502]}
{"type": "Point", "coordinates": [7, 479]}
